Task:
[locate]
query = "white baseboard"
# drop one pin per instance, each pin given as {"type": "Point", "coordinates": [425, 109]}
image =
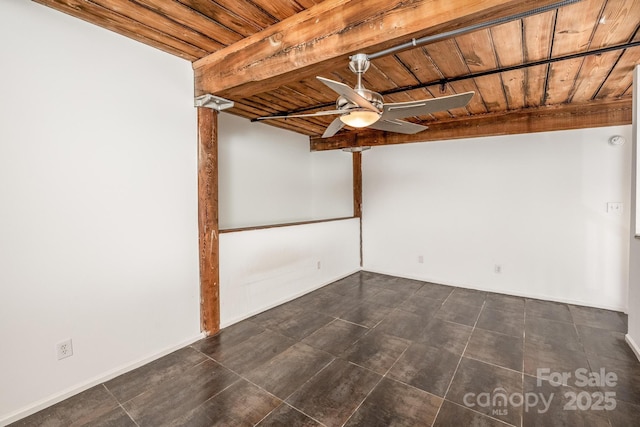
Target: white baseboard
{"type": "Point", "coordinates": [633, 345]}
{"type": "Point", "coordinates": [502, 291]}
{"type": "Point", "coordinates": [99, 379]}
{"type": "Point", "coordinates": [71, 391]}
{"type": "Point", "coordinates": [58, 397]}
{"type": "Point", "coordinates": [237, 319]}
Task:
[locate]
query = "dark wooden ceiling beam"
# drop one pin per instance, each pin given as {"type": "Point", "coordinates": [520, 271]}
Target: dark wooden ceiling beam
{"type": "Point", "coordinates": [629, 57]}
{"type": "Point", "coordinates": [531, 120]}
{"type": "Point", "coordinates": [190, 18]}
{"type": "Point", "coordinates": [107, 18]}
{"type": "Point", "coordinates": [307, 43]}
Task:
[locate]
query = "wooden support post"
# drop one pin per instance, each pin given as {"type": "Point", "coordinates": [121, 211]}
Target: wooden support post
{"type": "Point", "coordinates": [357, 184]}
{"type": "Point", "coordinates": [208, 220]}
{"type": "Point", "coordinates": [357, 192]}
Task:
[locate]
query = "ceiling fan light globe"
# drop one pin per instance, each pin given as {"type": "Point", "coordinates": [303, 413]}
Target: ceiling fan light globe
{"type": "Point", "coordinates": [360, 119]}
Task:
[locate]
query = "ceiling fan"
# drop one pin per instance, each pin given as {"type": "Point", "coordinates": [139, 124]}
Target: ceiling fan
{"type": "Point", "coordinates": [360, 107]}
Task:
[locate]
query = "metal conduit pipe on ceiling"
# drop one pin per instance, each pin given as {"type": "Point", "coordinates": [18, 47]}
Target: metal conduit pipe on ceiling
{"type": "Point", "coordinates": [442, 36]}
{"type": "Point", "coordinates": [448, 34]}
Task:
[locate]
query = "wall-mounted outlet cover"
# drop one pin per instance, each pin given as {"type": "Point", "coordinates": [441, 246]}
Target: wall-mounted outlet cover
{"type": "Point", "coordinates": [64, 349]}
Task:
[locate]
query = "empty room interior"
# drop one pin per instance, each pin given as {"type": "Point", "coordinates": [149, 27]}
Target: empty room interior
{"type": "Point", "coordinates": [319, 213]}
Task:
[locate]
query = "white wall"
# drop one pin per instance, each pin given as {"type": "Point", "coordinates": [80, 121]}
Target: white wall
{"type": "Point", "coordinates": [260, 269]}
{"type": "Point", "coordinates": [98, 204]}
{"type": "Point", "coordinates": [332, 180]}
{"type": "Point", "coordinates": [268, 176]}
{"type": "Point", "coordinates": [534, 204]}
{"type": "Point", "coordinates": [633, 336]}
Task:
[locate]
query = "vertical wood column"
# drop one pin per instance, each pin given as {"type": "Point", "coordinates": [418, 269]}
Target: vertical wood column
{"type": "Point", "coordinates": [357, 192]}
{"type": "Point", "coordinates": [208, 220]}
{"type": "Point", "coordinates": [357, 184]}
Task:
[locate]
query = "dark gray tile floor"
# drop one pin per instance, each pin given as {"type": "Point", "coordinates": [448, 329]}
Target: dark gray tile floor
{"type": "Point", "coordinates": [373, 350]}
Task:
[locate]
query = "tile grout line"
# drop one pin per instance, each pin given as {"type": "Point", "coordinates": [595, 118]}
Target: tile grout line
{"type": "Point", "coordinates": [230, 370]}
{"type": "Point", "coordinates": [292, 407]}
{"type": "Point", "coordinates": [309, 380]}
{"type": "Point", "coordinates": [412, 342]}
{"type": "Point", "coordinates": [385, 374]}
{"type": "Point", "coordinates": [240, 377]}
{"type": "Point", "coordinates": [444, 397]}
{"type": "Point", "coordinates": [362, 401]}
{"type": "Point", "coordinates": [396, 361]}
{"type": "Point", "coordinates": [317, 373]}
{"type": "Point", "coordinates": [353, 323]}
{"type": "Point", "coordinates": [493, 364]}
{"type": "Point", "coordinates": [191, 367]}
{"type": "Point", "coordinates": [536, 314]}
{"type": "Point", "coordinates": [499, 333]}
{"type": "Point", "coordinates": [589, 364]}
{"type": "Point", "coordinates": [580, 341]}
{"type": "Point", "coordinates": [120, 404]}
{"type": "Point", "coordinates": [392, 365]}
{"type": "Point", "coordinates": [282, 401]}
{"type": "Point", "coordinates": [414, 387]}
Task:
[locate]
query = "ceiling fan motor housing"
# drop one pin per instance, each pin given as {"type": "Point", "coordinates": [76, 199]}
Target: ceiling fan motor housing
{"type": "Point", "coordinates": [373, 97]}
{"type": "Point", "coordinates": [359, 107]}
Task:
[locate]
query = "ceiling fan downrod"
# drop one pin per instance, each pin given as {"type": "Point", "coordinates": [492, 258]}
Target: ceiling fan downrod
{"type": "Point", "coordinates": [359, 64]}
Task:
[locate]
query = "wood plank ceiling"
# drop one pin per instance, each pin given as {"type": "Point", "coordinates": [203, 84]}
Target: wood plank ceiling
{"type": "Point", "coordinates": [566, 68]}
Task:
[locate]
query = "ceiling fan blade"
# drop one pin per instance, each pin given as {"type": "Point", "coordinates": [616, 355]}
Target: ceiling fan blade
{"type": "Point", "coordinates": [316, 114]}
{"type": "Point", "coordinates": [350, 94]}
{"type": "Point", "coordinates": [423, 107]}
{"type": "Point", "coordinates": [397, 126]}
{"type": "Point", "coordinates": [333, 128]}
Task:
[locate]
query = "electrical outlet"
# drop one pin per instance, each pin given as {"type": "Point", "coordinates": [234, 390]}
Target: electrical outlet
{"type": "Point", "coordinates": [614, 207]}
{"type": "Point", "coordinates": [497, 269]}
{"type": "Point", "coordinates": [64, 349]}
{"type": "Point", "coordinates": [420, 259]}
{"type": "Point", "coordinates": [319, 265]}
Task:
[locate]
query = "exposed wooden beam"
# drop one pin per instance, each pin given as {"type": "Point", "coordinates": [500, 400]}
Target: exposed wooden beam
{"type": "Point", "coordinates": [541, 119]}
{"type": "Point", "coordinates": [208, 220]}
{"type": "Point", "coordinates": [311, 41]}
{"type": "Point", "coordinates": [107, 18]}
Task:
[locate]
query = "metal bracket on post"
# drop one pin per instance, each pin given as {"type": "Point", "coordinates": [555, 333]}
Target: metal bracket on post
{"type": "Point", "coordinates": [358, 149]}
{"type": "Point", "coordinates": [213, 102]}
